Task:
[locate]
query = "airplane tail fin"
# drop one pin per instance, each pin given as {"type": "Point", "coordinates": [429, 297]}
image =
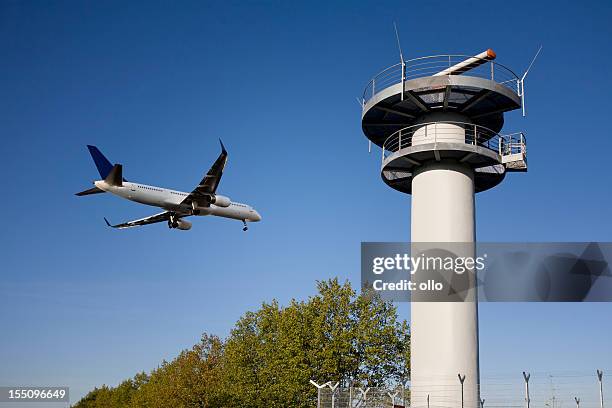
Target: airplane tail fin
{"type": "Point", "coordinates": [102, 163]}
{"type": "Point", "coordinates": [94, 190]}
{"type": "Point", "coordinates": [115, 176]}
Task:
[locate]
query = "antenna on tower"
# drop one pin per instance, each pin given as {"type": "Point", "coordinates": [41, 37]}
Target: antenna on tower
{"type": "Point", "coordinates": [399, 45]}
{"type": "Point", "coordinates": [522, 81]}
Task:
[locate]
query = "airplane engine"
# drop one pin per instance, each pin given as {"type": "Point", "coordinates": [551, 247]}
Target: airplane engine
{"type": "Point", "coordinates": [183, 225]}
{"type": "Point", "coordinates": [220, 201]}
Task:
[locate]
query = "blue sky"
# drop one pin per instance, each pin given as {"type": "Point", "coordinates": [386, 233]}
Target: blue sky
{"type": "Point", "coordinates": [154, 85]}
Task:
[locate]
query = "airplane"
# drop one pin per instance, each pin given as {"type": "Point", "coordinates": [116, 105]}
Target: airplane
{"type": "Point", "coordinates": [177, 205]}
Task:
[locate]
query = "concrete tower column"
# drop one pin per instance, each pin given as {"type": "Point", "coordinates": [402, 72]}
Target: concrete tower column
{"type": "Point", "coordinates": [444, 335]}
{"type": "Point", "coordinates": [437, 125]}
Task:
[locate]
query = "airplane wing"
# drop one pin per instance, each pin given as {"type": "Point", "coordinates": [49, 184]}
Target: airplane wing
{"type": "Point", "coordinates": [161, 217]}
{"type": "Point", "coordinates": [210, 182]}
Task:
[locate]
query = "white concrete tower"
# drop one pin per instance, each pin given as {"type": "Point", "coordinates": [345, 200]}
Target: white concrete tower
{"type": "Point", "coordinates": [437, 120]}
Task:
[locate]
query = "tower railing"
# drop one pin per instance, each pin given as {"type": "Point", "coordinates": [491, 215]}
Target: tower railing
{"type": "Point", "coordinates": [434, 64]}
{"type": "Point", "coordinates": [441, 132]}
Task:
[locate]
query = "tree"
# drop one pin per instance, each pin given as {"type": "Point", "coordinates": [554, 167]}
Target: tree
{"type": "Point", "coordinates": [334, 336]}
{"type": "Point", "coordinates": [97, 398]}
{"type": "Point", "coordinates": [272, 353]}
{"type": "Point", "coordinates": [193, 379]}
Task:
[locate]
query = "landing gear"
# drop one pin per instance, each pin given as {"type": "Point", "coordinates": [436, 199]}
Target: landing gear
{"type": "Point", "coordinates": [172, 221]}
{"type": "Point", "coordinates": [245, 226]}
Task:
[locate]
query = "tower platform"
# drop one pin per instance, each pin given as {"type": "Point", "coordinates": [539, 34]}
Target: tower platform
{"type": "Point", "coordinates": [421, 110]}
{"type": "Point", "coordinates": [490, 155]}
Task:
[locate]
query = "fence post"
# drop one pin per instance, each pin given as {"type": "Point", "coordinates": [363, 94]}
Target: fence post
{"type": "Point", "coordinates": [526, 376]}
{"type": "Point", "coordinates": [333, 396]}
{"type": "Point", "coordinates": [600, 377]}
{"type": "Point", "coordinates": [462, 380]}
{"type": "Point", "coordinates": [405, 385]}
{"type": "Point", "coordinates": [319, 391]}
{"type": "Point", "coordinates": [364, 395]}
{"type": "Point", "coordinates": [392, 396]}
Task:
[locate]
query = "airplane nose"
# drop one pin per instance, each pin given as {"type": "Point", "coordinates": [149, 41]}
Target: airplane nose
{"type": "Point", "coordinates": [256, 216]}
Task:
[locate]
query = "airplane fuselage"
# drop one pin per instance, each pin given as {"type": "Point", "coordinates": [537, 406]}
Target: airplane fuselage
{"type": "Point", "coordinates": [171, 200]}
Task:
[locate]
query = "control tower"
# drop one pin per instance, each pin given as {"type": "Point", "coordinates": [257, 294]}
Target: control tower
{"type": "Point", "coordinates": [438, 120]}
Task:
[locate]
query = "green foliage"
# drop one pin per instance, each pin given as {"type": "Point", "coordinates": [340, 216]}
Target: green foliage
{"type": "Point", "coordinates": [193, 379]}
{"type": "Point", "coordinates": [271, 354]}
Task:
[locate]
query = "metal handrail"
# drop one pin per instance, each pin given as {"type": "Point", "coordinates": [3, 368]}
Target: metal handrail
{"type": "Point", "coordinates": [475, 135]}
{"type": "Point", "coordinates": [513, 143]}
{"type": "Point", "coordinates": [433, 64]}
